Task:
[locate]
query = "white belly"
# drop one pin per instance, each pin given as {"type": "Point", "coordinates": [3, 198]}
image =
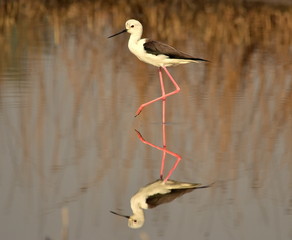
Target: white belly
{"type": "Point", "coordinates": [156, 60]}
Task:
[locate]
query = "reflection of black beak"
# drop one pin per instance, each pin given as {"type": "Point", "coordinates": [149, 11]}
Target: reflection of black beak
{"type": "Point", "coordinates": [121, 215]}
{"type": "Point", "coordinates": [125, 30]}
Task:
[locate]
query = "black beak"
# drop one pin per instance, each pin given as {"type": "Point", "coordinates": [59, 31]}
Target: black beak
{"type": "Point", "coordinates": [125, 30]}
{"type": "Point", "coordinates": [121, 215]}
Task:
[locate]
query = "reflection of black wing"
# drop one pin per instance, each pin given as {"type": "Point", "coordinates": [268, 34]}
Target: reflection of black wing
{"type": "Point", "coordinates": [157, 199]}
{"type": "Point", "coordinates": [156, 48]}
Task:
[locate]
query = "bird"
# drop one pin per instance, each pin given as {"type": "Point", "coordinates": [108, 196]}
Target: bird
{"type": "Point", "coordinates": [154, 194]}
{"type": "Point", "coordinates": [157, 54]}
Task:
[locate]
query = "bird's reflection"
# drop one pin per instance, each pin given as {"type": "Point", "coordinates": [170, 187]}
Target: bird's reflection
{"type": "Point", "coordinates": [162, 190]}
{"type": "Point", "coordinates": [154, 194]}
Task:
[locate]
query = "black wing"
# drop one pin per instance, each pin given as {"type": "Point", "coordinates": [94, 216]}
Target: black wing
{"type": "Point", "coordinates": [156, 48]}
{"type": "Point", "coordinates": [157, 199]}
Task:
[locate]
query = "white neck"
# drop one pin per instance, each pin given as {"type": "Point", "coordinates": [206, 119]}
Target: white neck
{"type": "Point", "coordinates": [133, 43]}
{"type": "Point", "coordinates": [135, 37]}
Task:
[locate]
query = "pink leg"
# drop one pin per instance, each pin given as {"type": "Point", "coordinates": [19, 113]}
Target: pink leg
{"type": "Point", "coordinates": [177, 89]}
{"type": "Point", "coordinates": [178, 157]}
{"type": "Point", "coordinates": [163, 95]}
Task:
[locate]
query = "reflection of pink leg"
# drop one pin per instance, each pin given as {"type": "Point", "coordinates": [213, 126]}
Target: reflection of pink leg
{"type": "Point", "coordinates": [173, 168]}
{"type": "Point", "coordinates": [177, 89]}
{"type": "Point", "coordinates": [178, 157]}
{"type": "Point", "coordinates": [164, 152]}
{"type": "Point", "coordinates": [163, 124]}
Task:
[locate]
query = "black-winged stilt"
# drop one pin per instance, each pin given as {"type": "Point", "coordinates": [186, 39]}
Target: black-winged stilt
{"type": "Point", "coordinates": [155, 53]}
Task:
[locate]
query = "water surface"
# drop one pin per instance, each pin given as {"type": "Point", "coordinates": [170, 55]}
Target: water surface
{"type": "Point", "coordinates": [68, 145]}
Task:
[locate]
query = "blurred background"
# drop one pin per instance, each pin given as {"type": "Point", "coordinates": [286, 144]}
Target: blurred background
{"type": "Point", "coordinates": [68, 96]}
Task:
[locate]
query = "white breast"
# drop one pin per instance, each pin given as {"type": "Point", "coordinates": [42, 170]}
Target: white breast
{"type": "Point", "coordinates": [137, 48]}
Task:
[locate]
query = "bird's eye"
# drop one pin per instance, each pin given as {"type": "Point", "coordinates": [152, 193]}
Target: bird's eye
{"type": "Point", "coordinates": [132, 26]}
{"type": "Point", "coordinates": [135, 220]}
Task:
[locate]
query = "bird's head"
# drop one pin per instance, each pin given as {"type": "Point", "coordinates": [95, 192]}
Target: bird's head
{"type": "Point", "coordinates": [134, 221]}
{"type": "Point", "coordinates": [132, 26]}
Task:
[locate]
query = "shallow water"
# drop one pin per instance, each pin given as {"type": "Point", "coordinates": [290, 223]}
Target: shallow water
{"type": "Point", "coordinates": [69, 149]}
